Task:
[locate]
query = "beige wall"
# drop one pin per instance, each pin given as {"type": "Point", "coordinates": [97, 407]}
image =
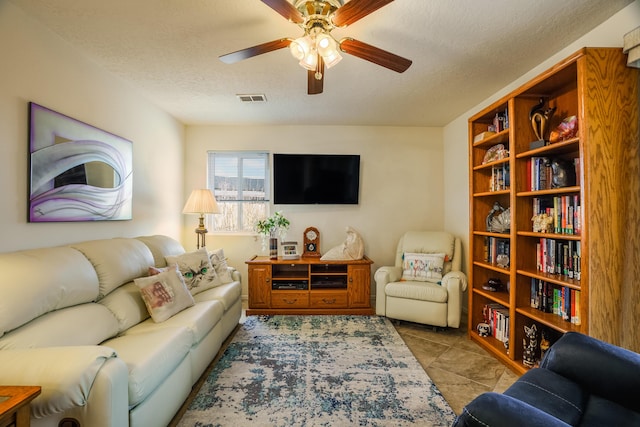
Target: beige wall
{"type": "Point", "coordinates": [401, 185]}
{"type": "Point", "coordinates": [38, 66]}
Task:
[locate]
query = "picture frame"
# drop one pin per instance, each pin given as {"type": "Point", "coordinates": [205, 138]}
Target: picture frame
{"type": "Point", "coordinates": [77, 172]}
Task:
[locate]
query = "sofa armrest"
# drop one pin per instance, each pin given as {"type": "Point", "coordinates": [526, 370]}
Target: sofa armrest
{"type": "Point", "coordinates": [455, 279]}
{"type": "Point", "coordinates": [499, 410]}
{"type": "Point", "coordinates": [235, 275]}
{"type": "Point", "coordinates": [382, 276]}
{"type": "Point", "coordinates": [456, 283]}
{"type": "Point", "coordinates": [598, 367]}
{"type": "Point", "coordinates": [387, 274]}
{"type": "Point", "coordinates": [66, 374]}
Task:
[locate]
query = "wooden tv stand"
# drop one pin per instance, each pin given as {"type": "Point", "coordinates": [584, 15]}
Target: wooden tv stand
{"type": "Point", "coordinates": [309, 286]}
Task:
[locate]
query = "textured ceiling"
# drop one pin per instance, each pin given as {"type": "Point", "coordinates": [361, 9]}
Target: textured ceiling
{"type": "Point", "coordinates": [462, 52]}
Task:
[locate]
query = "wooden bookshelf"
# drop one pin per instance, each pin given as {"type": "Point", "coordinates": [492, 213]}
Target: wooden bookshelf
{"type": "Point", "coordinates": [597, 87]}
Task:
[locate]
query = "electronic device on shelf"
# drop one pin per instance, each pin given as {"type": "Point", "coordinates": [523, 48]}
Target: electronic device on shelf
{"type": "Point", "coordinates": [290, 285]}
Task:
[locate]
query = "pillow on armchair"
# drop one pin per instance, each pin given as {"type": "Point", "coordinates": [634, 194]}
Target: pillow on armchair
{"type": "Point", "coordinates": [422, 267]}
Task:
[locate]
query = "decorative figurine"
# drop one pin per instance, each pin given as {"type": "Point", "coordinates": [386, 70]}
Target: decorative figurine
{"type": "Point", "coordinates": [530, 347]}
{"type": "Point", "coordinates": [483, 329]}
{"type": "Point", "coordinates": [544, 342]}
{"type": "Point", "coordinates": [540, 118]}
{"type": "Point", "coordinates": [352, 248]}
{"type": "Point", "coordinates": [499, 219]}
{"type": "Point", "coordinates": [566, 130]}
{"type": "Point", "coordinates": [542, 223]}
{"type": "Point", "coordinates": [563, 173]}
{"type": "Point", "coordinates": [493, 285]}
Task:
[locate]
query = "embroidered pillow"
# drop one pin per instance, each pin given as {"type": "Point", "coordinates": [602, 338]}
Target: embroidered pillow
{"type": "Point", "coordinates": [219, 263]}
{"type": "Point", "coordinates": [164, 294]}
{"type": "Point", "coordinates": [422, 267]}
{"type": "Point", "coordinates": [196, 268]}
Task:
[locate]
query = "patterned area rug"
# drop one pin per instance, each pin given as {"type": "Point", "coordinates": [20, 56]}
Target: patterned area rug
{"type": "Point", "coordinates": [318, 371]}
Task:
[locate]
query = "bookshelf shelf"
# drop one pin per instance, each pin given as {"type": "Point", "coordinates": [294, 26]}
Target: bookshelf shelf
{"type": "Point", "coordinates": [596, 86]}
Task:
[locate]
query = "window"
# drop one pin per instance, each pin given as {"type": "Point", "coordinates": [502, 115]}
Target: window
{"type": "Point", "coordinates": [240, 183]}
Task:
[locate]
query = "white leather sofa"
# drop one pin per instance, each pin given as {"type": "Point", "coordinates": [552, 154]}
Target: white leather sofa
{"type": "Point", "coordinates": [432, 298]}
{"type": "Point", "coordinates": [72, 321]}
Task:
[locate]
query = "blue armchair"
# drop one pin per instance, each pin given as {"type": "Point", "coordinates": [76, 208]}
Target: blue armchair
{"type": "Point", "coordinates": [581, 381]}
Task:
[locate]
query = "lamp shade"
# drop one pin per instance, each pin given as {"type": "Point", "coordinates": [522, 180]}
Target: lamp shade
{"type": "Point", "coordinates": [201, 202]}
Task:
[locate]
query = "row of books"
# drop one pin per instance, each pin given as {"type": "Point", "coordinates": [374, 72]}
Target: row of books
{"type": "Point", "coordinates": [540, 173]}
{"type": "Point", "coordinates": [559, 300]}
{"type": "Point", "coordinates": [565, 211]}
{"type": "Point", "coordinates": [500, 179]}
{"type": "Point", "coordinates": [497, 251]}
{"type": "Point", "coordinates": [497, 317]}
{"type": "Point", "coordinates": [500, 121]}
{"type": "Point", "coordinates": [559, 257]}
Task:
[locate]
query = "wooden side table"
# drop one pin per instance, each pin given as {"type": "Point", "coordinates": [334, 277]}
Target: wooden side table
{"type": "Point", "coordinates": [14, 405]}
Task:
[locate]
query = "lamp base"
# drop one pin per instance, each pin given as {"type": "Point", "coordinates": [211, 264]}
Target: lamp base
{"type": "Point", "coordinates": [201, 232]}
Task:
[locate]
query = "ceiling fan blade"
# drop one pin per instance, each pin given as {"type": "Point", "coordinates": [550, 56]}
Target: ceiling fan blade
{"type": "Point", "coordinates": [233, 57]}
{"type": "Point", "coordinates": [315, 86]}
{"type": "Point", "coordinates": [374, 54]}
{"type": "Point", "coordinates": [356, 10]}
{"type": "Point", "coordinates": [286, 9]}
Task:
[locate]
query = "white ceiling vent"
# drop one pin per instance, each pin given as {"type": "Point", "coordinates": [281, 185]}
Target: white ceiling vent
{"type": "Point", "coordinates": [258, 97]}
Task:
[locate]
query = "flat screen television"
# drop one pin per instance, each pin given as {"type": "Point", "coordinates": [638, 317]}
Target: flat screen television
{"type": "Point", "coordinates": [329, 179]}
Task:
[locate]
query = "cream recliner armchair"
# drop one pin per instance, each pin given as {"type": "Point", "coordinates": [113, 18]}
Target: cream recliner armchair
{"type": "Point", "coordinates": [426, 284]}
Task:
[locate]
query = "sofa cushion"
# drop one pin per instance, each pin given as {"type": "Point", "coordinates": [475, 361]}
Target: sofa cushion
{"type": "Point", "coordinates": [150, 357]}
{"type": "Point", "coordinates": [84, 324]}
{"type": "Point", "coordinates": [422, 267]}
{"type": "Point", "coordinates": [197, 270]}
{"type": "Point", "coordinates": [161, 247]}
{"type": "Point", "coordinates": [604, 412]}
{"type": "Point", "coordinates": [164, 294]}
{"type": "Point", "coordinates": [424, 291]}
{"type": "Point", "coordinates": [27, 277]}
{"type": "Point", "coordinates": [551, 393]}
{"type": "Point", "coordinates": [117, 261]}
{"type": "Point", "coordinates": [228, 294]}
{"type": "Point", "coordinates": [127, 306]}
{"type": "Point", "coordinates": [429, 242]}
{"type": "Point", "coordinates": [198, 320]}
{"type": "Point", "coordinates": [219, 262]}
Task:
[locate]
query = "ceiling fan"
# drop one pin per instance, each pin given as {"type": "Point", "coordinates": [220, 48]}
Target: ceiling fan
{"type": "Point", "coordinates": [317, 48]}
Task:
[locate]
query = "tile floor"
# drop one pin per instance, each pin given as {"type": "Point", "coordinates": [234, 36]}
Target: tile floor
{"type": "Point", "coordinates": [460, 368]}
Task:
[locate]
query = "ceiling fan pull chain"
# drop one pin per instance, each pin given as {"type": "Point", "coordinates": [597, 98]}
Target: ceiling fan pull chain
{"type": "Point", "coordinates": [319, 70]}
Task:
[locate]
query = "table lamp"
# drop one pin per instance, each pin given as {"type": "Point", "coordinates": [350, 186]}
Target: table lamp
{"type": "Point", "coordinates": [201, 202]}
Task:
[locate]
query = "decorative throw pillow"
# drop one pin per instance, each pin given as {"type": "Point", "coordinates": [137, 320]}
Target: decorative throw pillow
{"type": "Point", "coordinates": [164, 294]}
{"type": "Point", "coordinates": [422, 267]}
{"type": "Point", "coordinates": [196, 268]}
{"type": "Point", "coordinates": [219, 263]}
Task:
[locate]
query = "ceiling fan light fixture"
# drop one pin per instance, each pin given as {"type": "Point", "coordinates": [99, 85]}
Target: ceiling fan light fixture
{"type": "Point", "coordinates": [325, 44]}
{"type": "Point", "coordinates": [296, 50]}
{"type": "Point", "coordinates": [310, 61]}
{"type": "Point", "coordinates": [301, 47]}
{"type": "Point", "coordinates": [332, 59]}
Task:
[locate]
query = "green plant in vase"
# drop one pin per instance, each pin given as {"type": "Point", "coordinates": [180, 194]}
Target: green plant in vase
{"type": "Point", "coordinates": [270, 228]}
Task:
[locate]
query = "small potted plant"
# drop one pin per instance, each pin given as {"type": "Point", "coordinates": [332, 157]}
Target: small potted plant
{"type": "Point", "coordinates": [271, 227]}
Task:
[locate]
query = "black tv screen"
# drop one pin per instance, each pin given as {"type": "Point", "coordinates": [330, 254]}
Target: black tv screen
{"type": "Point", "coordinates": [316, 179]}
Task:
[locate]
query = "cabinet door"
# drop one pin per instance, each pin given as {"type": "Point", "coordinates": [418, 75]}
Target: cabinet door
{"type": "Point", "coordinates": [359, 285]}
{"type": "Point", "coordinates": [259, 286]}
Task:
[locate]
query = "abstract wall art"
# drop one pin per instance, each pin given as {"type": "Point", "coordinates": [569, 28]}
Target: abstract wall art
{"type": "Point", "coordinates": [77, 172]}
